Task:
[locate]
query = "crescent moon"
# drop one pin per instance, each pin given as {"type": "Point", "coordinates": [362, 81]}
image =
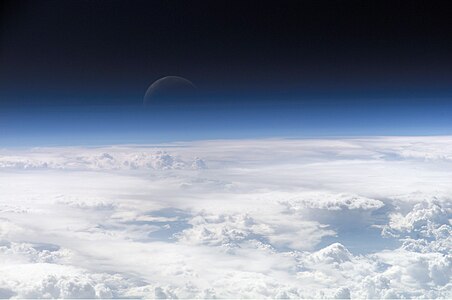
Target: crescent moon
{"type": "Point", "coordinates": [168, 90]}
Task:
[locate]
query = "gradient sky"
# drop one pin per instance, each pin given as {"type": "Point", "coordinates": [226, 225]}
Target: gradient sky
{"type": "Point", "coordinates": [263, 68]}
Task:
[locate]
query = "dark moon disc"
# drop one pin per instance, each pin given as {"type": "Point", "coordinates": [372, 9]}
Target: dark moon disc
{"type": "Point", "coordinates": [170, 90]}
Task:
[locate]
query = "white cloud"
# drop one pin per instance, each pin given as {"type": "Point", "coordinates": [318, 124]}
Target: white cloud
{"type": "Point", "coordinates": [350, 218]}
{"type": "Point", "coordinates": [97, 159]}
{"type": "Point", "coordinates": [329, 201]}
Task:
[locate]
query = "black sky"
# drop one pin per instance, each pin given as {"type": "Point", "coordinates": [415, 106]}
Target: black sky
{"type": "Point", "coordinates": [99, 52]}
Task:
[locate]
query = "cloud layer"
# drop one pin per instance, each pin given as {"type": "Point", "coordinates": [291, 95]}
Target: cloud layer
{"type": "Point", "coordinates": [333, 218]}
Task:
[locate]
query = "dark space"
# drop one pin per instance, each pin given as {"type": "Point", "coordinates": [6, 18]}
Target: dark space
{"type": "Point", "coordinates": [109, 52]}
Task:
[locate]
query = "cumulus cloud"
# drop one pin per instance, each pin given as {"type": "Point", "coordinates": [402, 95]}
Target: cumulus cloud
{"type": "Point", "coordinates": [333, 218]}
{"type": "Point", "coordinates": [329, 201]}
{"type": "Point", "coordinates": [98, 159]}
{"type": "Point", "coordinates": [231, 230]}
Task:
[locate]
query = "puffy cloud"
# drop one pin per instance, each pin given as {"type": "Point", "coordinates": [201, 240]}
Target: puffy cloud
{"type": "Point", "coordinates": [336, 218]}
{"type": "Point", "coordinates": [42, 280]}
{"type": "Point", "coordinates": [329, 201]}
{"type": "Point", "coordinates": [334, 253]}
{"type": "Point", "coordinates": [230, 231]}
{"type": "Point", "coordinates": [426, 228]}
{"type": "Point", "coordinates": [98, 159]}
{"type": "Point", "coordinates": [423, 219]}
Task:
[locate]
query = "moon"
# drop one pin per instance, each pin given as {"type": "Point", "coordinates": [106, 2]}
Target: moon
{"type": "Point", "coordinates": [169, 90]}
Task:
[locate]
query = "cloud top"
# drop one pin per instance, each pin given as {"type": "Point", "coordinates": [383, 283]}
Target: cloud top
{"type": "Point", "coordinates": [333, 218]}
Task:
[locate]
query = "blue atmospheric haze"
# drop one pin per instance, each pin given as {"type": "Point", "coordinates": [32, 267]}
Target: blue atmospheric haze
{"type": "Point", "coordinates": [128, 124]}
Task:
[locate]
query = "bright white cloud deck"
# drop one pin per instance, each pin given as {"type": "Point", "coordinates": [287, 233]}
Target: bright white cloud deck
{"type": "Point", "coordinates": [367, 218]}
